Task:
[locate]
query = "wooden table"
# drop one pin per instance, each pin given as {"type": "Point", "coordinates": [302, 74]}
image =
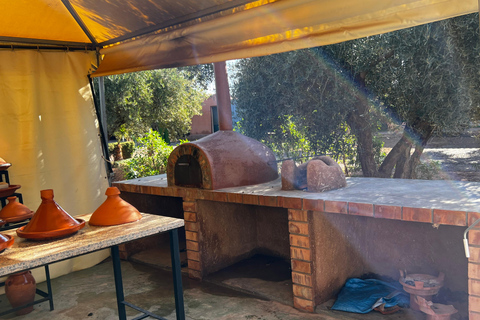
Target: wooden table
{"type": "Point", "coordinates": [27, 254]}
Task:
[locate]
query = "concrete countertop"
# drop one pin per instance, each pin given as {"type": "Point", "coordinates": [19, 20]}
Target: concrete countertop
{"type": "Point", "coordinates": [431, 194]}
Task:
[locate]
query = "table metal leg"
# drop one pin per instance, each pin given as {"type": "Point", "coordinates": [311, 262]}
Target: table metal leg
{"type": "Point", "coordinates": [49, 287]}
{"type": "Point", "coordinates": [177, 274]}
{"type": "Point", "coordinates": [117, 273]}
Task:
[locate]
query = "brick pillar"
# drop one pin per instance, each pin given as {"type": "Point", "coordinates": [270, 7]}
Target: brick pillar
{"type": "Point", "coordinates": [191, 233]}
{"type": "Point", "coordinates": [302, 259]}
{"type": "Point", "coordinates": [474, 274]}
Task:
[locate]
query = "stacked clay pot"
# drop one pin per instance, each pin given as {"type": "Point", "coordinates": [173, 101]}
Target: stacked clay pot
{"type": "Point", "coordinates": [4, 165]}
{"type": "Point", "coordinates": [422, 285]}
{"type": "Point", "coordinates": [15, 211]}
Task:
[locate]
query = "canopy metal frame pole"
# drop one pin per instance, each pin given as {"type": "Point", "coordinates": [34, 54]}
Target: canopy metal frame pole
{"type": "Point", "coordinates": [103, 107]}
{"type": "Point", "coordinates": [103, 138]}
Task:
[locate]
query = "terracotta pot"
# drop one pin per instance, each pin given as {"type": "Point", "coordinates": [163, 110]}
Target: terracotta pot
{"type": "Point", "coordinates": [20, 290]}
{"type": "Point", "coordinates": [6, 241]}
{"type": "Point", "coordinates": [114, 211]}
{"type": "Point", "coordinates": [15, 211]}
{"type": "Point", "coordinates": [50, 221]}
{"type": "Point", "coordinates": [9, 190]}
{"type": "Point", "coordinates": [435, 311]}
{"type": "Point", "coordinates": [4, 165]}
{"type": "Point", "coordinates": [422, 285]}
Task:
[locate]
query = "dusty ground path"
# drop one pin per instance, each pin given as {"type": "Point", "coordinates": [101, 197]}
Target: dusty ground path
{"type": "Point", "coordinates": [457, 158]}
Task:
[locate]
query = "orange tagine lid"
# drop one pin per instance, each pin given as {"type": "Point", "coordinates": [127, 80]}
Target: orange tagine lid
{"type": "Point", "coordinates": [50, 221]}
{"type": "Point", "coordinates": [114, 210]}
{"type": "Point", "coordinates": [15, 211]}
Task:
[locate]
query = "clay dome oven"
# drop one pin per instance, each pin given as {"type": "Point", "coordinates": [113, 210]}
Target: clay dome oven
{"type": "Point", "coordinates": [221, 160]}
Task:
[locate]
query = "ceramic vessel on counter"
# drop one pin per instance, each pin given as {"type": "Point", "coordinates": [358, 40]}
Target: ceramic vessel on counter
{"type": "Point", "coordinates": [114, 211]}
{"type": "Point", "coordinates": [50, 221]}
{"type": "Point", "coordinates": [435, 311]}
{"type": "Point", "coordinates": [4, 165]}
{"type": "Point", "coordinates": [20, 290]}
{"type": "Point", "coordinates": [9, 190]}
{"type": "Point", "coordinates": [15, 211]}
{"type": "Point", "coordinates": [6, 241]}
{"type": "Point", "coordinates": [423, 285]}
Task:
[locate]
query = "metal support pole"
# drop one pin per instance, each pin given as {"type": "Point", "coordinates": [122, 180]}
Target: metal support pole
{"type": "Point", "coordinates": [177, 274]}
{"type": "Point", "coordinates": [103, 108]}
{"type": "Point", "coordinates": [49, 286]}
{"type": "Point", "coordinates": [117, 273]}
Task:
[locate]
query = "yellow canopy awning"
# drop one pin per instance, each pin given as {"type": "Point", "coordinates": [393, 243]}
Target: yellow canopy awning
{"type": "Point", "coordinates": [137, 35]}
{"type": "Point", "coordinates": [275, 27]}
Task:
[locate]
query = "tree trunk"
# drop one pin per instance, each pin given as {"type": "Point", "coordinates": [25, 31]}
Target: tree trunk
{"type": "Point", "coordinates": [419, 147]}
{"type": "Point", "coordinates": [413, 162]}
{"type": "Point", "coordinates": [386, 169]}
{"type": "Point", "coordinates": [402, 163]}
{"type": "Point", "coordinates": [359, 122]}
{"type": "Point", "coordinates": [415, 158]}
{"type": "Point", "coordinates": [117, 152]}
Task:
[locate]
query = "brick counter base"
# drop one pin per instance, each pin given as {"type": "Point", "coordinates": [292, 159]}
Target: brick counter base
{"type": "Point", "coordinates": [300, 212]}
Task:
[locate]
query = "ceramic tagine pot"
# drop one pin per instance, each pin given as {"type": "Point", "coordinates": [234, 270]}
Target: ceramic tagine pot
{"type": "Point", "coordinates": [50, 221]}
{"type": "Point", "coordinates": [7, 190]}
{"type": "Point", "coordinates": [20, 290]}
{"type": "Point", "coordinates": [4, 165]}
{"type": "Point", "coordinates": [114, 211]}
{"type": "Point", "coordinates": [15, 211]}
{"type": "Point", "coordinates": [423, 285]}
{"type": "Point", "coordinates": [6, 241]}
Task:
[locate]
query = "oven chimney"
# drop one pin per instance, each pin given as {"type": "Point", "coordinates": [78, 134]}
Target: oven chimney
{"type": "Point", "coordinates": [224, 106]}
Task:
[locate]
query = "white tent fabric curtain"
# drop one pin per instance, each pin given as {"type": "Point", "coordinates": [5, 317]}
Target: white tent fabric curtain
{"type": "Point", "coordinates": [49, 132]}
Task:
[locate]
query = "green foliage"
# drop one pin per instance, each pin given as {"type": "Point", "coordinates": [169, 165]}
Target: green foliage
{"type": "Point", "coordinates": [202, 74]}
{"type": "Point", "coordinates": [294, 143]}
{"type": "Point", "coordinates": [431, 81]}
{"type": "Point", "coordinates": [150, 157]}
{"type": "Point", "coordinates": [163, 99]}
{"type": "Point", "coordinates": [425, 77]}
{"type": "Point", "coordinates": [429, 170]}
{"type": "Point", "coordinates": [293, 102]}
{"type": "Point", "coordinates": [111, 146]}
{"type": "Point", "coordinates": [127, 148]}
{"type": "Point", "coordinates": [377, 147]}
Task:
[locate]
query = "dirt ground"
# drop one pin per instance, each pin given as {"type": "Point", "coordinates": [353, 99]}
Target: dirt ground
{"type": "Point", "coordinates": [447, 158]}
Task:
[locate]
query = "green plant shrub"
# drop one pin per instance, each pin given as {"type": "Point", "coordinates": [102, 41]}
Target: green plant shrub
{"type": "Point", "coordinates": [111, 146]}
{"type": "Point", "coordinates": [149, 158]}
{"type": "Point", "coordinates": [128, 147]}
{"type": "Point", "coordinates": [428, 170]}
